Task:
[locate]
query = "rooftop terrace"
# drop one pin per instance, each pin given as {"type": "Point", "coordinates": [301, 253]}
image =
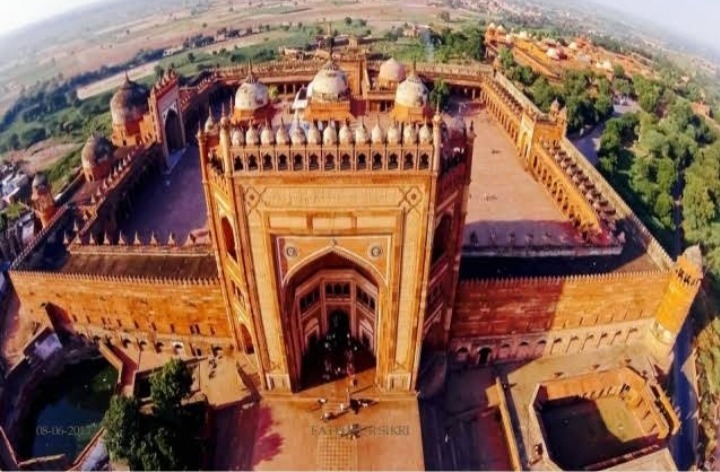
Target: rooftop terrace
{"type": "Point", "coordinates": [170, 203]}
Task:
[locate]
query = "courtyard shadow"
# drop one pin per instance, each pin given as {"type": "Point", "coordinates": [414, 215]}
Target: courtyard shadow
{"type": "Point", "coordinates": [581, 436]}
{"type": "Point", "coordinates": [243, 437]}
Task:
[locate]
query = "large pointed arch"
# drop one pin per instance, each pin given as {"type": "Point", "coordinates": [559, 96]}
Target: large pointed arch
{"type": "Point", "coordinates": [341, 252]}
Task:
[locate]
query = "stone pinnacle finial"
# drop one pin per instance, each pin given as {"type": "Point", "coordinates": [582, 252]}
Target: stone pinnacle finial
{"type": "Point", "coordinates": [107, 241]}
{"type": "Point", "coordinates": [153, 239]}
{"type": "Point", "coordinates": [136, 241]}
{"type": "Point", "coordinates": [171, 239]}
{"type": "Point", "coordinates": [121, 239]}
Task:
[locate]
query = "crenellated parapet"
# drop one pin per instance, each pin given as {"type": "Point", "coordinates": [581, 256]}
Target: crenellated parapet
{"type": "Point", "coordinates": [395, 148]}
{"type": "Point", "coordinates": [38, 276]}
{"type": "Point", "coordinates": [86, 244]}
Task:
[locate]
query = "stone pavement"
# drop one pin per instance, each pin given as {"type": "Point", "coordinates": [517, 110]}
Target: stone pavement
{"type": "Point", "coordinates": [504, 198]}
{"type": "Point", "coordinates": [283, 432]}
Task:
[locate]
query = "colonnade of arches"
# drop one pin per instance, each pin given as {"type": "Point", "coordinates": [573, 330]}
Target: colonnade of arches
{"type": "Point", "coordinates": [480, 354]}
{"type": "Point", "coordinates": [558, 191]}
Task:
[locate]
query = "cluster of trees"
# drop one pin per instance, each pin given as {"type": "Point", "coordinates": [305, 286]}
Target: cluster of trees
{"type": "Point", "coordinates": [588, 98]}
{"type": "Point", "coordinates": [467, 44]}
{"type": "Point", "coordinates": [652, 153]}
{"type": "Point", "coordinates": [165, 438]}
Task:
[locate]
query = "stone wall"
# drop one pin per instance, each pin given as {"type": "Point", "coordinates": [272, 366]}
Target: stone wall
{"type": "Point", "coordinates": [122, 305]}
{"type": "Point", "coordinates": [505, 306]}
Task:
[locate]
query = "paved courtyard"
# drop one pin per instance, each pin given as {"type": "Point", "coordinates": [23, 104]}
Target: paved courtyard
{"type": "Point", "coordinates": [504, 198]}
{"type": "Point", "coordinates": [287, 433]}
{"type": "Point", "coordinates": [173, 202]}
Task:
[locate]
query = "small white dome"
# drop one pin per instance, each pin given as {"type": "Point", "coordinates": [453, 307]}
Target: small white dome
{"type": "Point", "coordinates": [313, 135]}
{"type": "Point", "coordinates": [237, 138]}
{"type": "Point", "coordinates": [251, 95]}
{"type": "Point", "coordinates": [392, 71]}
{"type": "Point", "coordinates": [412, 92]}
{"type": "Point", "coordinates": [425, 134]}
{"type": "Point", "coordinates": [281, 137]}
{"type": "Point", "coordinates": [297, 135]}
{"type": "Point", "coordinates": [266, 136]}
{"type": "Point", "coordinates": [329, 84]}
{"type": "Point", "coordinates": [210, 125]}
{"type": "Point", "coordinates": [345, 136]}
{"type": "Point", "coordinates": [330, 135]}
{"type": "Point", "coordinates": [377, 134]}
{"type": "Point", "coordinates": [409, 134]}
{"type": "Point", "coordinates": [393, 134]}
{"type": "Point", "coordinates": [361, 136]}
{"type": "Point", "coordinates": [252, 137]}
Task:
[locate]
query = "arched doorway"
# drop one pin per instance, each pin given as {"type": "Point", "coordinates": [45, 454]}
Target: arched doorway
{"type": "Point", "coordinates": [339, 322]}
{"type": "Point", "coordinates": [229, 237]}
{"type": "Point", "coordinates": [331, 314]}
{"type": "Point", "coordinates": [484, 356]}
{"type": "Point", "coordinates": [173, 132]}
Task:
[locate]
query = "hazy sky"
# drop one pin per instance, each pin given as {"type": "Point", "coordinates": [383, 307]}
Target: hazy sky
{"type": "Point", "coordinates": [17, 13]}
{"type": "Point", "coordinates": [697, 19]}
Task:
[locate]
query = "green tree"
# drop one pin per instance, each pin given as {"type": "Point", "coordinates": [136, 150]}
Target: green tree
{"type": "Point", "coordinates": [444, 16]}
{"type": "Point", "coordinates": [122, 427]}
{"type": "Point", "coordinates": [439, 93]}
{"type": "Point", "coordinates": [623, 87]}
{"type": "Point", "coordinates": [618, 71]}
{"type": "Point", "coordinates": [159, 71]}
{"type": "Point", "coordinates": [348, 20]}
{"type": "Point", "coordinates": [170, 386]}
{"type": "Point", "coordinates": [191, 57]}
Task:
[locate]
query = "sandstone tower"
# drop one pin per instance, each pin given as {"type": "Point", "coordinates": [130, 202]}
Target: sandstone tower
{"type": "Point", "coordinates": [675, 305]}
{"type": "Point", "coordinates": [42, 200]}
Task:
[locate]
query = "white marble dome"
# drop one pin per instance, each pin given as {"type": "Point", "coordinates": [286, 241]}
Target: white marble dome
{"type": "Point", "coordinates": [237, 137]}
{"type": "Point", "coordinates": [329, 85]}
{"type": "Point", "coordinates": [412, 92]}
{"type": "Point", "coordinates": [361, 135]}
{"type": "Point", "coordinates": [251, 95]}
{"type": "Point", "coordinates": [392, 71]}
{"type": "Point", "coordinates": [345, 136]}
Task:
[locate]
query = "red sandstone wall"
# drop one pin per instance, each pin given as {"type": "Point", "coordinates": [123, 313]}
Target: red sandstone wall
{"type": "Point", "coordinates": [125, 305]}
{"type": "Point", "coordinates": [515, 306]}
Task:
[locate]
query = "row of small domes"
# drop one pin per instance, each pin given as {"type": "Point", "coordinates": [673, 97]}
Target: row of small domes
{"type": "Point", "coordinates": [330, 135]}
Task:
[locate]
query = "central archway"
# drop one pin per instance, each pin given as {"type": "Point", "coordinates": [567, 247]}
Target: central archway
{"type": "Point", "coordinates": [331, 315]}
{"type": "Point", "coordinates": [173, 132]}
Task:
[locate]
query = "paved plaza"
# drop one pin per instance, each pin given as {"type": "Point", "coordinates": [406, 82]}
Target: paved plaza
{"type": "Point", "coordinates": [504, 198]}
{"type": "Point", "coordinates": [281, 432]}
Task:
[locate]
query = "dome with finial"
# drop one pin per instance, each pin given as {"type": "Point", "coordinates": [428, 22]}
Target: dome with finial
{"type": "Point", "coordinates": [391, 71]}
{"type": "Point", "coordinates": [297, 135]}
{"type": "Point", "coordinates": [40, 181]}
{"type": "Point", "coordinates": [251, 95]}
{"type": "Point", "coordinates": [267, 136]}
{"type": "Point", "coordinates": [330, 136]}
{"type": "Point", "coordinates": [329, 84]}
{"type": "Point", "coordinates": [237, 137]}
{"type": "Point", "coordinates": [97, 150]}
{"type": "Point", "coordinates": [361, 135]}
{"type": "Point", "coordinates": [252, 137]}
{"type": "Point", "coordinates": [210, 125]}
{"type": "Point", "coordinates": [129, 103]}
{"type": "Point", "coordinates": [409, 134]}
{"type": "Point", "coordinates": [425, 134]}
{"type": "Point", "coordinates": [555, 107]}
{"type": "Point", "coordinates": [345, 136]}
{"type": "Point", "coordinates": [393, 134]}
{"type": "Point", "coordinates": [281, 137]}
{"type": "Point", "coordinates": [412, 92]}
{"type": "Point", "coordinates": [377, 135]}
{"type": "Point", "coordinates": [313, 135]}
